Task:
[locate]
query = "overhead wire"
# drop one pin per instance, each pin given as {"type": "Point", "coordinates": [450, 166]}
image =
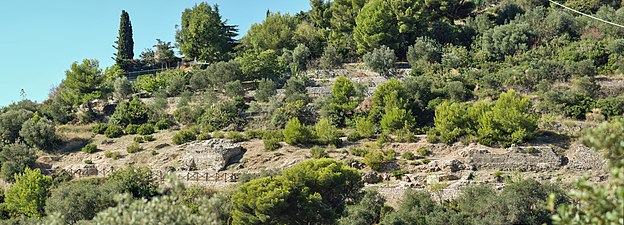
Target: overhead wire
{"type": "Point", "coordinates": [585, 14]}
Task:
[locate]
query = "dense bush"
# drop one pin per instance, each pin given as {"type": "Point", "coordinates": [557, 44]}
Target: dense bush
{"type": "Point", "coordinates": [296, 133]}
{"type": "Point", "coordinates": [266, 89]}
{"type": "Point", "coordinates": [113, 131]}
{"type": "Point", "coordinates": [146, 129]}
{"type": "Point", "coordinates": [28, 195]}
{"type": "Point", "coordinates": [187, 115]}
{"type": "Point", "coordinates": [424, 52]}
{"type": "Point", "coordinates": [374, 160]}
{"type": "Point", "coordinates": [312, 192]}
{"type": "Point", "coordinates": [15, 159]}
{"type": "Point", "coordinates": [263, 65]}
{"type": "Point", "coordinates": [11, 123]}
{"type": "Point", "coordinates": [331, 58]}
{"type": "Point", "coordinates": [123, 88]}
{"type": "Point", "coordinates": [130, 112]}
{"type": "Point", "coordinates": [163, 124]}
{"type": "Point", "coordinates": [365, 127]}
{"type": "Point", "coordinates": [366, 211]}
{"type": "Point", "coordinates": [326, 133]}
{"type": "Point", "coordinates": [81, 200]}
{"type": "Point", "coordinates": [132, 128]}
{"type": "Point", "coordinates": [271, 140]}
{"type": "Point", "coordinates": [184, 136]}
{"type": "Point", "coordinates": [89, 148]}
{"type": "Point", "coordinates": [133, 180]}
{"type": "Point", "coordinates": [134, 148]}
{"type": "Point", "coordinates": [380, 60]}
{"type": "Point", "coordinates": [234, 89]}
{"type": "Point", "coordinates": [38, 132]}
{"type": "Point", "coordinates": [317, 153]}
{"type": "Point", "coordinates": [216, 74]}
{"type": "Point", "coordinates": [100, 128]}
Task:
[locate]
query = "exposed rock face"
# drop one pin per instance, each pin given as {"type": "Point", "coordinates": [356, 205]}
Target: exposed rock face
{"type": "Point", "coordinates": [371, 178]}
{"type": "Point", "coordinates": [211, 155]}
{"type": "Point", "coordinates": [536, 159]}
{"type": "Point", "coordinates": [581, 157]}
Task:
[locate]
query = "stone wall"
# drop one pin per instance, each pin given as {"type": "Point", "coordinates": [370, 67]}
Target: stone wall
{"type": "Point", "coordinates": [536, 159]}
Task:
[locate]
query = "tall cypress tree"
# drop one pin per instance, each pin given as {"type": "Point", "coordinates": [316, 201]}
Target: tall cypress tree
{"type": "Point", "coordinates": [125, 44]}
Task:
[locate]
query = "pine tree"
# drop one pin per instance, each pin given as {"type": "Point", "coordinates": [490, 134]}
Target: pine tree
{"type": "Point", "coordinates": [125, 44]}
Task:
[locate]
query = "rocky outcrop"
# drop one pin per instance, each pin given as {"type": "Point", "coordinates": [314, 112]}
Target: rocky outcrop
{"type": "Point", "coordinates": [581, 157]}
{"type": "Point", "coordinates": [539, 158]}
{"type": "Point", "coordinates": [371, 177]}
{"type": "Point", "coordinates": [210, 155]}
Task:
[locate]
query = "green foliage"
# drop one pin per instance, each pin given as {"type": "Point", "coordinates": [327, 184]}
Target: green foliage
{"type": "Point", "coordinates": [318, 153]}
{"type": "Point", "coordinates": [266, 89]}
{"type": "Point", "coordinates": [83, 83]}
{"type": "Point", "coordinates": [99, 128]}
{"type": "Point", "coordinates": [270, 143]}
{"type": "Point", "coordinates": [374, 160]}
{"type": "Point", "coordinates": [380, 59]}
{"type": "Point", "coordinates": [341, 104]}
{"type": "Point", "coordinates": [187, 115]}
{"type": "Point", "coordinates": [450, 121]}
{"type": "Point", "coordinates": [216, 75]}
{"type": "Point", "coordinates": [342, 22]}
{"type": "Point", "coordinates": [125, 44]}
{"type": "Point", "coordinates": [296, 133]}
{"type": "Point", "coordinates": [163, 124]}
{"type": "Point", "coordinates": [184, 136]}
{"type": "Point", "coordinates": [312, 192]}
{"type": "Point", "coordinates": [234, 89]}
{"type": "Point", "coordinates": [408, 156]}
{"type": "Point", "coordinates": [81, 200]}
{"type": "Point", "coordinates": [204, 35]}
{"type": "Point", "coordinates": [376, 27]}
{"type": "Point", "coordinates": [89, 148]}
{"type": "Point", "coordinates": [15, 159]}
{"type": "Point", "coordinates": [112, 154]}
{"type": "Point", "coordinates": [366, 211]}
{"type": "Point", "coordinates": [274, 33]}
{"type": "Point", "coordinates": [133, 180]}
{"type": "Point", "coordinates": [11, 124]}
{"type": "Point", "coordinates": [331, 58]}
{"type": "Point", "coordinates": [235, 136]}
{"type": "Point", "coordinates": [130, 112]}
{"type": "Point", "coordinates": [132, 128]}
{"type": "Point", "coordinates": [123, 88]}
{"type": "Point", "coordinates": [423, 151]}
{"type": "Point", "coordinates": [38, 132]}
{"type": "Point", "coordinates": [113, 131]}
{"type": "Point", "coordinates": [295, 90]}
{"type": "Point", "coordinates": [224, 116]}
{"type": "Point", "coordinates": [395, 119]}
{"type": "Point", "coordinates": [365, 127]}
{"type": "Point", "coordinates": [146, 129]}
{"type": "Point", "coordinates": [505, 40]}
{"type": "Point", "coordinates": [134, 148]}
{"type": "Point", "coordinates": [28, 195]}
{"type": "Point", "coordinates": [510, 120]}
{"type": "Point", "coordinates": [424, 52]}
{"type": "Point", "coordinates": [599, 203]}
{"type": "Point", "coordinates": [262, 65]}
{"type": "Point", "coordinates": [326, 132]}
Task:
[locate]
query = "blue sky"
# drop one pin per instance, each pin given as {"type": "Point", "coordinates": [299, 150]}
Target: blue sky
{"type": "Point", "coordinates": [40, 39]}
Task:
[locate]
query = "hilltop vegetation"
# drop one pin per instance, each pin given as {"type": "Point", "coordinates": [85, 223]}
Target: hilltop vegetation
{"type": "Point", "coordinates": [497, 73]}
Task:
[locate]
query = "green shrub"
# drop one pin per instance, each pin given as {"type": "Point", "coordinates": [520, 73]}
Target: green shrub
{"type": "Point", "coordinates": [423, 151]}
{"type": "Point", "coordinates": [184, 136]}
{"type": "Point", "coordinates": [89, 148]}
{"type": "Point", "coordinates": [383, 139]}
{"type": "Point", "coordinates": [130, 112]}
{"type": "Point", "coordinates": [296, 133]}
{"type": "Point", "coordinates": [112, 154]}
{"type": "Point", "coordinates": [254, 134]}
{"type": "Point", "coordinates": [374, 160]}
{"type": "Point", "coordinates": [380, 60]}
{"type": "Point", "coordinates": [271, 143]}
{"type": "Point", "coordinates": [204, 136]}
{"type": "Point", "coordinates": [132, 128]}
{"type": "Point", "coordinates": [326, 132]}
{"type": "Point", "coordinates": [354, 136]}
{"type": "Point", "coordinates": [149, 138]}
{"type": "Point", "coordinates": [88, 161]}
{"type": "Point", "coordinates": [365, 128]}
{"type": "Point", "coordinates": [134, 148]}
{"type": "Point", "coordinates": [389, 155]}
{"type": "Point", "coordinates": [187, 115]}
{"type": "Point", "coordinates": [146, 129]}
{"type": "Point", "coordinates": [100, 128]}
{"type": "Point", "coordinates": [163, 124]}
{"type": "Point", "coordinates": [408, 156]}
{"type": "Point", "coordinates": [28, 195]}
{"type": "Point", "coordinates": [358, 151]}
{"type": "Point", "coordinates": [15, 158]}
{"type": "Point", "coordinates": [80, 200]}
{"type": "Point", "coordinates": [137, 181]}
{"type": "Point", "coordinates": [218, 134]}
{"type": "Point", "coordinates": [406, 136]}
{"type": "Point", "coordinates": [113, 131]}
{"type": "Point", "coordinates": [38, 132]}
{"type": "Point", "coordinates": [139, 139]}
{"type": "Point", "coordinates": [266, 90]}
{"type": "Point", "coordinates": [235, 136]}
{"type": "Point", "coordinates": [318, 152]}
{"type": "Point", "coordinates": [398, 174]}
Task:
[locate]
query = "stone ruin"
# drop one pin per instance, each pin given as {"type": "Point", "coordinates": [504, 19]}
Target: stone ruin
{"type": "Point", "coordinates": [210, 155]}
